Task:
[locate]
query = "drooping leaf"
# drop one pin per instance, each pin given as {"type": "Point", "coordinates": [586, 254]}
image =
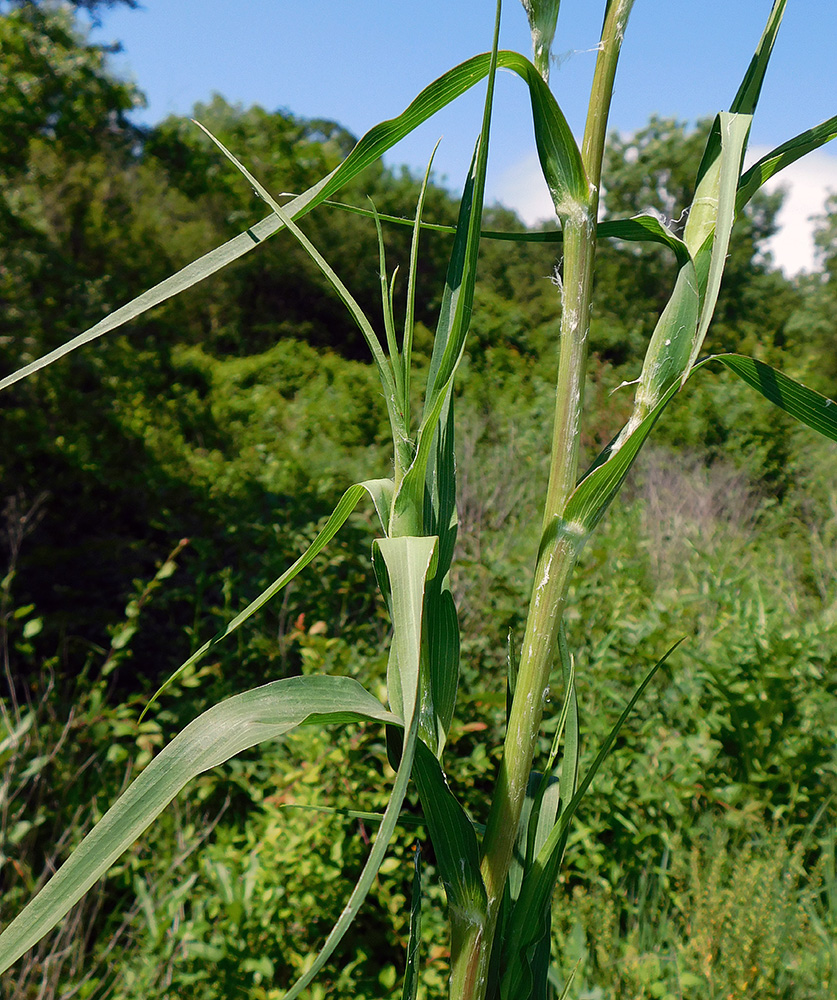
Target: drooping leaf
{"type": "Point", "coordinates": [393, 389]}
{"type": "Point", "coordinates": [602, 482]}
{"type": "Point", "coordinates": [643, 229]}
{"type": "Point", "coordinates": [369, 148]}
{"type": "Point", "coordinates": [558, 152]}
{"type": "Point", "coordinates": [812, 408]}
{"type": "Point", "coordinates": [453, 837]}
{"type": "Point", "coordinates": [638, 229]}
{"type": "Point", "coordinates": [243, 721]}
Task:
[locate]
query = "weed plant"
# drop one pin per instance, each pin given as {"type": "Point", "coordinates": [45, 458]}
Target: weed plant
{"type": "Point", "coordinates": [499, 875]}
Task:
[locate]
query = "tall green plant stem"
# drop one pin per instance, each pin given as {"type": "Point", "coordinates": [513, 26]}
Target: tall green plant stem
{"type": "Point", "coordinates": [561, 542]}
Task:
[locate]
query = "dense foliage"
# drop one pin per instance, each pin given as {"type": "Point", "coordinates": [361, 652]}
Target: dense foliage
{"type": "Point", "coordinates": [155, 482]}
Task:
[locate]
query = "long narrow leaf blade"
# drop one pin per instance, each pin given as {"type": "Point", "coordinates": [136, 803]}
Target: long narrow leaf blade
{"type": "Point", "coordinates": [600, 485]}
{"type": "Point", "coordinates": [734, 130]}
{"type": "Point", "coordinates": [812, 408]}
{"type": "Point", "coordinates": [453, 837]}
{"type": "Point", "coordinates": [380, 490]}
{"type": "Point", "coordinates": [454, 319]}
{"type": "Point", "coordinates": [669, 350]}
{"type": "Point", "coordinates": [409, 990]}
{"type": "Point", "coordinates": [639, 229]}
{"type": "Point", "coordinates": [783, 156]}
{"type": "Point", "coordinates": [370, 147]}
{"type": "Point", "coordinates": [409, 562]}
{"type": "Point", "coordinates": [747, 96]}
{"type": "Point", "coordinates": [243, 721]}
{"type": "Point", "coordinates": [558, 151]}
{"type": "Point", "coordinates": [354, 309]}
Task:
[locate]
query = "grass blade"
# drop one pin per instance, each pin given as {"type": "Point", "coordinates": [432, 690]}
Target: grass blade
{"type": "Point", "coordinates": [546, 795]}
{"type": "Point", "coordinates": [409, 562]}
{"type": "Point", "coordinates": [684, 322]}
{"type": "Point", "coordinates": [385, 369]}
{"type": "Point", "coordinates": [781, 157]}
{"type": "Point", "coordinates": [453, 837]}
{"type": "Point", "coordinates": [387, 307]}
{"type": "Point", "coordinates": [669, 351]}
{"type": "Point", "coordinates": [380, 490]}
{"type": "Point", "coordinates": [644, 229]}
{"type": "Point", "coordinates": [812, 408]}
{"type": "Point", "coordinates": [558, 151]}
{"type": "Point", "coordinates": [638, 229]}
{"type": "Point", "coordinates": [747, 98]}
{"type": "Point", "coordinates": [369, 148]}
{"type": "Point", "coordinates": [601, 483]}
{"type": "Point", "coordinates": [243, 721]}
{"type": "Point", "coordinates": [454, 319]}
{"type": "Point", "coordinates": [734, 130]}
{"type": "Point", "coordinates": [442, 631]}
{"type": "Point", "coordinates": [406, 819]}
{"type": "Point", "coordinates": [409, 318]}
{"type": "Point", "coordinates": [747, 95]}
{"type": "Point", "coordinates": [411, 972]}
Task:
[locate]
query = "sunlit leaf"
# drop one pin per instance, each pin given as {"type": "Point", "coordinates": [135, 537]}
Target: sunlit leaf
{"type": "Point", "coordinates": [812, 408]}
{"type": "Point", "coordinates": [601, 483]}
{"type": "Point", "coordinates": [369, 148]}
{"type": "Point", "coordinates": [782, 156]}
{"type": "Point", "coordinates": [243, 721]}
{"type": "Point", "coordinates": [409, 561]}
{"type": "Point", "coordinates": [747, 96]}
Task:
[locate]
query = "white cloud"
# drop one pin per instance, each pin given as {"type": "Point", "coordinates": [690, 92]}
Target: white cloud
{"type": "Point", "coordinates": [522, 188]}
{"type": "Point", "coordinates": [808, 183]}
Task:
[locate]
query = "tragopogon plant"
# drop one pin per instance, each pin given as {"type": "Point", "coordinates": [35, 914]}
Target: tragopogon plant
{"type": "Point", "coordinates": [499, 881]}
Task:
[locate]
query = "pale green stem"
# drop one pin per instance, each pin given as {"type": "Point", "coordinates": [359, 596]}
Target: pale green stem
{"type": "Point", "coordinates": [540, 56]}
{"type": "Point", "coordinates": [561, 543]}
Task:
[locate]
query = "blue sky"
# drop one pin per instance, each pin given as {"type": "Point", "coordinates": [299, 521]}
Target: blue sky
{"type": "Point", "coordinates": [363, 61]}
